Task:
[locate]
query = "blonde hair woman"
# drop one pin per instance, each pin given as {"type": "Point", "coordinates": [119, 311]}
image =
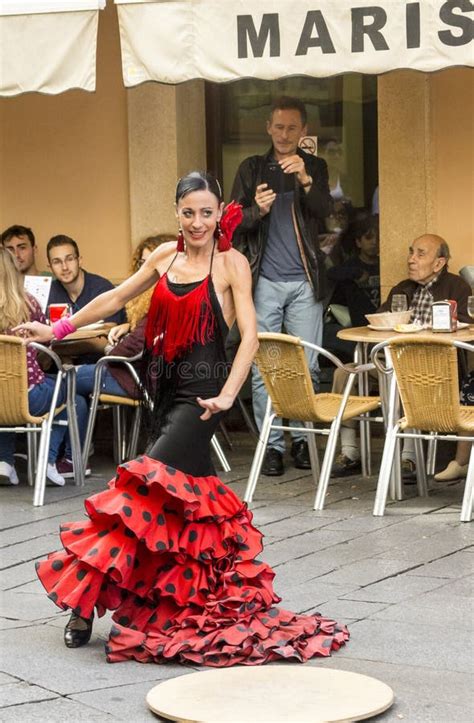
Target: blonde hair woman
{"type": "Point", "coordinates": [17, 307]}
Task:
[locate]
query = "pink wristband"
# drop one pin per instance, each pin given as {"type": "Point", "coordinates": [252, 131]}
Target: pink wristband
{"type": "Point", "coordinates": [62, 328]}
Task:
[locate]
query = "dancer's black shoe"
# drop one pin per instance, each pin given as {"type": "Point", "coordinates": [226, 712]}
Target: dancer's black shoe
{"type": "Point", "coordinates": [77, 631]}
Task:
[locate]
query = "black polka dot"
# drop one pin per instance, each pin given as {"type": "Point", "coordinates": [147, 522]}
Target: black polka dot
{"type": "Point", "coordinates": [197, 490]}
{"type": "Point", "coordinates": [243, 546]}
{"type": "Point", "coordinates": [170, 470]}
{"type": "Point", "coordinates": [193, 535]}
{"type": "Point", "coordinates": [63, 528]}
{"type": "Point", "coordinates": [188, 487]}
{"type": "Point", "coordinates": [124, 620]}
{"type": "Point", "coordinates": [139, 584]}
{"type": "Point", "coordinates": [129, 560]}
{"type": "Point", "coordinates": [127, 496]}
{"type": "Point", "coordinates": [151, 474]}
{"type": "Point", "coordinates": [171, 488]}
{"type": "Point", "coordinates": [92, 552]}
{"type": "Point", "coordinates": [212, 496]}
{"type": "Point", "coordinates": [80, 574]}
{"type": "Point", "coordinates": [57, 565]}
{"type": "Point", "coordinates": [192, 592]}
{"type": "Point", "coordinates": [235, 577]}
{"type": "Point", "coordinates": [160, 546]}
{"type": "Point", "coordinates": [136, 563]}
{"type": "Point", "coordinates": [114, 551]}
{"type": "Point", "coordinates": [127, 511]}
{"type": "Point", "coordinates": [102, 533]}
{"type": "Point", "coordinates": [153, 618]}
{"type": "Point", "coordinates": [146, 516]}
{"type": "Point", "coordinates": [160, 519]}
{"type": "Point", "coordinates": [167, 624]}
{"type": "Point", "coordinates": [239, 538]}
{"type": "Point", "coordinates": [188, 574]}
{"type": "Point", "coordinates": [115, 526]}
{"type": "Point", "coordinates": [221, 490]}
{"type": "Point", "coordinates": [171, 544]}
{"type": "Point", "coordinates": [114, 632]}
{"type": "Point", "coordinates": [129, 533]}
{"type": "Point", "coordinates": [143, 490]}
{"type": "Point", "coordinates": [170, 588]}
{"type": "Point", "coordinates": [53, 596]}
{"type": "Point", "coordinates": [273, 612]}
{"type": "Point", "coordinates": [241, 629]}
{"type": "Point", "coordinates": [79, 531]}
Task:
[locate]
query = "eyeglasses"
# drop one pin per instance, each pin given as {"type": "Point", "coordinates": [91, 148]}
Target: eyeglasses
{"type": "Point", "coordinates": [66, 260]}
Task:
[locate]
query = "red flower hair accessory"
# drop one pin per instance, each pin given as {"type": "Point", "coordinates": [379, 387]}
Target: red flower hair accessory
{"type": "Point", "coordinates": [230, 219]}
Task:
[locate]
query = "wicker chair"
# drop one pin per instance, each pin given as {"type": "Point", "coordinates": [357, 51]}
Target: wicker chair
{"type": "Point", "coordinates": [282, 362]}
{"type": "Point", "coordinates": [426, 376]}
{"type": "Point", "coordinates": [117, 403]}
{"type": "Point", "coordinates": [15, 416]}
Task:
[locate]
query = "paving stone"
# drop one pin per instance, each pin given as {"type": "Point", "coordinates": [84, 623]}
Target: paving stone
{"type": "Point", "coordinates": [308, 596]}
{"type": "Point", "coordinates": [433, 547]}
{"type": "Point", "coordinates": [343, 608]}
{"type": "Point", "coordinates": [29, 550]}
{"type": "Point", "coordinates": [395, 589]}
{"type": "Point", "coordinates": [21, 533]}
{"type": "Point", "coordinates": [358, 523]}
{"type": "Point", "coordinates": [15, 693]}
{"type": "Point", "coordinates": [304, 544]}
{"type": "Point", "coordinates": [365, 572]}
{"type": "Point", "coordinates": [59, 709]}
{"type": "Point", "coordinates": [401, 643]}
{"type": "Point", "coordinates": [7, 679]}
{"type": "Point", "coordinates": [17, 575]}
{"type": "Point", "coordinates": [456, 565]}
{"type": "Point", "coordinates": [125, 703]}
{"type": "Point", "coordinates": [18, 606]}
{"type": "Point", "coordinates": [5, 623]}
{"type": "Point", "coordinates": [71, 670]}
{"type": "Point", "coordinates": [292, 526]}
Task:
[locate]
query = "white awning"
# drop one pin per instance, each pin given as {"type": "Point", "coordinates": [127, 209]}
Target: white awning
{"type": "Point", "coordinates": [48, 45]}
{"type": "Point", "coordinates": [220, 40]}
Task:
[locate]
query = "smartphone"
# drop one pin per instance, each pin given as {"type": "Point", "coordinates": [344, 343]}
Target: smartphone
{"type": "Point", "coordinates": [276, 179]}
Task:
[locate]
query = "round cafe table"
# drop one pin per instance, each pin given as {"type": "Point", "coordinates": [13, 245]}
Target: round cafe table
{"type": "Point", "coordinates": [364, 338]}
{"type": "Point", "coordinates": [83, 341]}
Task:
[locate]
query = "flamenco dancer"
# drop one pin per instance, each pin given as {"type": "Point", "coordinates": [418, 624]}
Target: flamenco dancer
{"type": "Point", "coordinates": [168, 547]}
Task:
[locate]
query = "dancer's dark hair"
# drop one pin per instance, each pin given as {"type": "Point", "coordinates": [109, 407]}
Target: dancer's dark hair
{"type": "Point", "coordinates": [198, 181]}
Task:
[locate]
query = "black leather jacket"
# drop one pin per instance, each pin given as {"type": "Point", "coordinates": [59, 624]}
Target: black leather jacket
{"type": "Point", "coordinates": [309, 211]}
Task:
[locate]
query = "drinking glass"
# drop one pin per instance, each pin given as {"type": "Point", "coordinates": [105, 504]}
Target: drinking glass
{"type": "Point", "coordinates": [470, 306]}
{"type": "Point", "coordinates": [399, 302]}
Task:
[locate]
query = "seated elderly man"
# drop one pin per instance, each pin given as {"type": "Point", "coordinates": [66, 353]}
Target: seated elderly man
{"type": "Point", "coordinates": [72, 284]}
{"type": "Point", "coordinates": [428, 280]}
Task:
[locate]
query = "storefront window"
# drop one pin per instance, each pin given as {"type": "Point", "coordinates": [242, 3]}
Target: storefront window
{"type": "Point", "coordinates": [342, 119]}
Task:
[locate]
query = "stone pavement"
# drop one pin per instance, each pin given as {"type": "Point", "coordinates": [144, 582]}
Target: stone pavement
{"type": "Point", "coordinates": [403, 584]}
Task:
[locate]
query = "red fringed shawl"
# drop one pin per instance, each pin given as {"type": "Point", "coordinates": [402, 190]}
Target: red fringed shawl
{"type": "Point", "coordinates": [175, 323]}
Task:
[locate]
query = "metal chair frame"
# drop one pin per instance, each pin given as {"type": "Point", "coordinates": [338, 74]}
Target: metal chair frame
{"type": "Point", "coordinates": [106, 400]}
{"type": "Point", "coordinates": [320, 476]}
{"type": "Point", "coordinates": [38, 457]}
{"type": "Point", "coordinates": [395, 432]}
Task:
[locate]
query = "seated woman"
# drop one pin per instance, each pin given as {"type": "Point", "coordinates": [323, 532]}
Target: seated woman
{"type": "Point", "coordinates": [16, 307]}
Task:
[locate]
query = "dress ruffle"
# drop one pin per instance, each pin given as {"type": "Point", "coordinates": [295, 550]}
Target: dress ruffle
{"type": "Point", "coordinates": [176, 558]}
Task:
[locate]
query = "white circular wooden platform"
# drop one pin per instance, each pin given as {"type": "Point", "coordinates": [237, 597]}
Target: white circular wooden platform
{"type": "Point", "coordinates": [269, 694]}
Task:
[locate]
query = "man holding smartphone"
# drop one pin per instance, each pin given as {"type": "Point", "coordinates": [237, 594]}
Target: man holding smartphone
{"type": "Point", "coordinates": [285, 197]}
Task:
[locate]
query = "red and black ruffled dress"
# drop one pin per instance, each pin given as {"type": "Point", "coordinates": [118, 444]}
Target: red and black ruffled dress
{"type": "Point", "coordinates": [168, 547]}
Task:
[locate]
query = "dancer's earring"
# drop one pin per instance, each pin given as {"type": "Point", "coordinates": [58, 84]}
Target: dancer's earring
{"type": "Point", "coordinates": [180, 244]}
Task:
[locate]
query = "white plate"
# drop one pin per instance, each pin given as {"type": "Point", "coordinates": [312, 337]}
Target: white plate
{"type": "Point", "coordinates": [95, 325]}
{"type": "Point", "coordinates": [462, 325]}
{"type": "Point", "coordinates": [379, 328]}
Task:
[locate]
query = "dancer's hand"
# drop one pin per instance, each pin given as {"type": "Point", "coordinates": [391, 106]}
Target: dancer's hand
{"type": "Point", "coordinates": [35, 331]}
{"type": "Point", "coordinates": [215, 405]}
